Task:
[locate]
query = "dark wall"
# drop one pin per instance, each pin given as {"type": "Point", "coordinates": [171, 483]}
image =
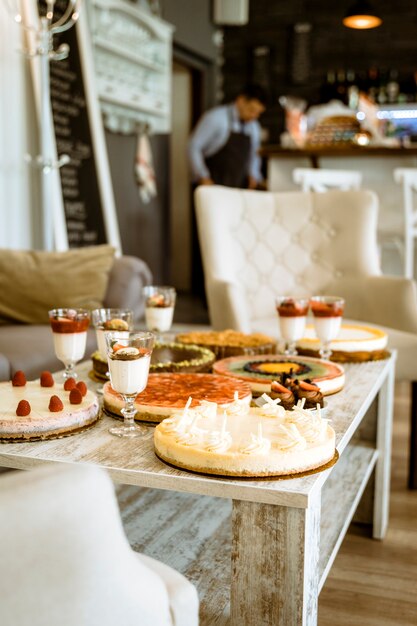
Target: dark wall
{"type": "Point", "coordinates": [302, 70]}
{"type": "Point", "coordinates": [193, 26]}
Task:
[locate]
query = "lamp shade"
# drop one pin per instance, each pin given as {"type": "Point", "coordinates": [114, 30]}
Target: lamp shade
{"type": "Point", "coordinates": [362, 15]}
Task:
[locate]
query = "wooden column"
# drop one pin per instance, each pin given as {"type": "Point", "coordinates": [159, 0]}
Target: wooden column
{"type": "Point", "coordinates": [275, 554]}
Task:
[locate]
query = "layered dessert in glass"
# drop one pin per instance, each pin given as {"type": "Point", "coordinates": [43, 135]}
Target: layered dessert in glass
{"type": "Point", "coordinates": [159, 307]}
{"type": "Point", "coordinates": [292, 313]}
{"type": "Point", "coordinates": [69, 331]}
{"type": "Point", "coordinates": [327, 312]}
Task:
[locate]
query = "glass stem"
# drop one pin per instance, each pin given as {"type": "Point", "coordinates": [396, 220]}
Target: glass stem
{"type": "Point", "coordinates": [69, 371]}
{"type": "Point", "coordinates": [129, 410]}
{"type": "Point", "coordinates": [291, 348]}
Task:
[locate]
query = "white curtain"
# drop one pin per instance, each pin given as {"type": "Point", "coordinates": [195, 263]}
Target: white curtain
{"type": "Point", "coordinates": [19, 197]}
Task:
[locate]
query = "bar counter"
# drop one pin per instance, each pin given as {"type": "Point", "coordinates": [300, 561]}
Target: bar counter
{"type": "Point", "coordinates": [315, 154]}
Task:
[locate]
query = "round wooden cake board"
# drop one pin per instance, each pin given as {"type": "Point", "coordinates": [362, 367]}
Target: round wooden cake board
{"type": "Point", "coordinates": [137, 418]}
{"type": "Point", "coordinates": [346, 357]}
{"type": "Point", "coordinates": [40, 437]}
{"type": "Point", "coordinates": [326, 466]}
{"type": "Point", "coordinates": [96, 377]}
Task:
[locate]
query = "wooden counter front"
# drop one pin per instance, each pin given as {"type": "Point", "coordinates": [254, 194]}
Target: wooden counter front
{"type": "Point", "coordinates": [314, 154]}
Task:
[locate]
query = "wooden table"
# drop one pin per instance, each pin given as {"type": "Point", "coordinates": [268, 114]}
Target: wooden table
{"type": "Point", "coordinates": [285, 533]}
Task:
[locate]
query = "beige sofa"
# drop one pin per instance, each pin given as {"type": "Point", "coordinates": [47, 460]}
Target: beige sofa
{"type": "Point", "coordinates": [29, 347]}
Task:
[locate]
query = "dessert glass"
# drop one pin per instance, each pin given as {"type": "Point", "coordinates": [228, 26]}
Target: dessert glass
{"type": "Point", "coordinates": [69, 331]}
{"type": "Point", "coordinates": [327, 313]}
{"type": "Point", "coordinates": [292, 313]}
{"type": "Point", "coordinates": [159, 308]}
{"type": "Point", "coordinates": [129, 357]}
{"type": "Point", "coordinates": [105, 320]}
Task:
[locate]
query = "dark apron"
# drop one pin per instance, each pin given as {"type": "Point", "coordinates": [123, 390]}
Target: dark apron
{"type": "Point", "coordinates": [229, 166]}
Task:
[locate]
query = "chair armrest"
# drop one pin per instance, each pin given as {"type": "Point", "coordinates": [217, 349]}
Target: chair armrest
{"type": "Point", "coordinates": [183, 598]}
{"type": "Point", "coordinates": [124, 289]}
{"type": "Point", "coordinates": [389, 301]}
{"type": "Point", "coordinates": [228, 307]}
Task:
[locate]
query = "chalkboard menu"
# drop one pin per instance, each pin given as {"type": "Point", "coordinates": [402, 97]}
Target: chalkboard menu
{"type": "Point", "coordinates": [83, 208]}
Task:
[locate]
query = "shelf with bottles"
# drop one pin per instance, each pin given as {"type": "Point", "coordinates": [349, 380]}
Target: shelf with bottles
{"type": "Point", "coordinates": [382, 86]}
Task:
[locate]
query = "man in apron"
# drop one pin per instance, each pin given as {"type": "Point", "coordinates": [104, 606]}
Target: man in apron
{"type": "Point", "coordinates": [223, 148]}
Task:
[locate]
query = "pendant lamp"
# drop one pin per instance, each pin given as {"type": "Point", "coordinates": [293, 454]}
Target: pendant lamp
{"type": "Point", "coordinates": [361, 15]}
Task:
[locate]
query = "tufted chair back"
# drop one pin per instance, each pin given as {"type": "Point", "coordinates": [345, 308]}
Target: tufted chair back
{"type": "Point", "coordinates": [256, 245]}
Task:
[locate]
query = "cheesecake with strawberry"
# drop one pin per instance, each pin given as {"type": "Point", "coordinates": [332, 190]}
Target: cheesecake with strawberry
{"type": "Point", "coordinates": [44, 409]}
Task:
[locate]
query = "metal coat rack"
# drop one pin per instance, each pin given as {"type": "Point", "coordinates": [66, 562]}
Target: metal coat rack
{"type": "Point", "coordinates": [41, 47]}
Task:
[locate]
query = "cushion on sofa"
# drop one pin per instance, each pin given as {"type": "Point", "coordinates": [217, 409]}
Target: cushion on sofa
{"type": "Point", "coordinates": [33, 282]}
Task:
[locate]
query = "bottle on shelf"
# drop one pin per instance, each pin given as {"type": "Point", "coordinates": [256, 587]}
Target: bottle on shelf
{"type": "Point", "coordinates": [352, 90]}
{"type": "Point", "coordinates": [393, 87]}
{"type": "Point", "coordinates": [341, 87]}
{"type": "Point", "coordinates": [373, 83]}
{"type": "Point", "coordinates": [382, 96]}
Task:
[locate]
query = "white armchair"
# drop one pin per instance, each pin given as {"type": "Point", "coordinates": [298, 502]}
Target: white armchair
{"type": "Point", "coordinates": [66, 560]}
{"type": "Point", "coordinates": [256, 245]}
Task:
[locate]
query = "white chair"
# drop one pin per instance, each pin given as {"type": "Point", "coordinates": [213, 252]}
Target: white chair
{"type": "Point", "coordinates": [408, 178]}
{"type": "Point", "coordinates": [320, 180]}
{"type": "Point", "coordinates": [65, 558]}
{"type": "Point", "coordinates": [256, 245]}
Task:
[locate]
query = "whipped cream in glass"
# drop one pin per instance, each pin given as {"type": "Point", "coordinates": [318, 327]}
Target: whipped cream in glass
{"type": "Point", "coordinates": [292, 313]}
{"type": "Point", "coordinates": [105, 320]}
{"type": "Point", "coordinates": [327, 313]}
{"type": "Point", "coordinates": [69, 331]}
{"type": "Point", "coordinates": [159, 307]}
{"type": "Point", "coordinates": [129, 357]}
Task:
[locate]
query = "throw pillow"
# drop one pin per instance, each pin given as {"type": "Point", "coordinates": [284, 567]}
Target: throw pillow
{"type": "Point", "coordinates": [33, 282]}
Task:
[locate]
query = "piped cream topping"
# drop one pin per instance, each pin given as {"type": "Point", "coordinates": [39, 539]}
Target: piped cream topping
{"type": "Point", "coordinates": [218, 440]}
{"type": "Point", "coordinates": [238, 407]}
{"type": "Point", "coordinates": [257, 444]}
{"type": "Point", "coordinates": [288, 437]}
{"type": "Point", "coordinates": [271, 408]}
{"type": "Point", "coordinates": [312, 427]}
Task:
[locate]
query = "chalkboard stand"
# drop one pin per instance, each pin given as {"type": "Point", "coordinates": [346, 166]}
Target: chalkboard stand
{"type": "Point", "coordinates": [78, 198]}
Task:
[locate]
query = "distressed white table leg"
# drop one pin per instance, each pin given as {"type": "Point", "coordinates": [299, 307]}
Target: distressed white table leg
{"type": "Point", "coordinates": [383, 465]}
{"type": "Point", "coordinates": [275, 553]}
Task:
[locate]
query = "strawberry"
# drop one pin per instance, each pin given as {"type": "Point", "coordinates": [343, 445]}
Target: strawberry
{"type": "Point", "coordinates": [70, 384]}
{"type": "Point", "coordinates": [75, 396]}
{"type": "Point", "coordinates": [82, 387]}
{"type": "Point", "coordinates": [55, 404]}
{"type": "Point", "coordinates": [19, 379]}
{"type": "Point", "coordinates": [117, 346]}
{"type": "Point", "coordinates": [46, 379]}
{"type": "Point", "coordinates": [307, 386]}
{"type": "Point", "coordinates": [23, 408]}
{"type": "Point", "coordinates": [278, 388]}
